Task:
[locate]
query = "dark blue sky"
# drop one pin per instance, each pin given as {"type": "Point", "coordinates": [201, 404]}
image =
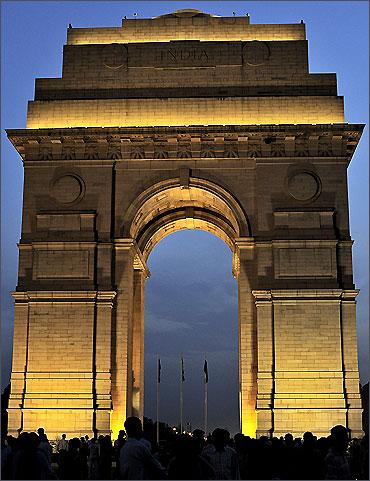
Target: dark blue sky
{"type": "Point", "coordinates": [191, 270]}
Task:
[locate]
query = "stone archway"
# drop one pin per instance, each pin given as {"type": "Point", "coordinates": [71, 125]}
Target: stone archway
{"type": "Point", "coordinates": [167, 207]}
{"type": "Point", "coordinates": [141, 137]}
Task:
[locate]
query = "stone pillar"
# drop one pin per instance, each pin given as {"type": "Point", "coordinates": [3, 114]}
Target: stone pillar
{"type": "Point", "coordinates": [122, 335]}
{"type": "Point", "coordinates": [19, 364]}
{"type": "Point", "coordinates": [266, 363]}
{"type": "Point", "coordinates": [247, 338]}
{"type": "Point", "coordinates": [309, 393]}
{"type": "Point", "coordinates": [61, 363]}
{"type": "Point", "coordinates": [102, 374]}
{"type": "Point", "coordinates": [138, 344]}
{"type": "Point", "coordinates": [350, 363]}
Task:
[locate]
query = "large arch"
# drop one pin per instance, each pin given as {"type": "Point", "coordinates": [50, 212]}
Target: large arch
{"type": "Point", "coordinates": [158, 211]}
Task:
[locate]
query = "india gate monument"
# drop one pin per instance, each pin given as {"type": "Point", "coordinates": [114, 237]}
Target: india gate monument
{"type": "Point", "coordinates": [185, 121]}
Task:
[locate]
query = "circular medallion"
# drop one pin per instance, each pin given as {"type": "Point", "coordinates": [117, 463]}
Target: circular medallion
{"type": "Point", "coordinates": [114, 56]}
{"type": "Point", "coordinates": [256, 53]}
{"type": "Point", "coordinates": [303, 186]}
{"type": "Point", "coordinates": [67, 189]}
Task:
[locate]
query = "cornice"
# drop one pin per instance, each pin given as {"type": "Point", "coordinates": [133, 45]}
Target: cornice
{"type": "Point", "coordinates": [314, 295]}
{"type": "Point", "coordinates": [63, 296]}
{"type": "Point", "coordinates": [219, 142]}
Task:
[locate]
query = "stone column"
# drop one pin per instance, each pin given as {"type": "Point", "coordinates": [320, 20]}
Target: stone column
{"type": "Point", "coordinates": [350, 363]}
{"type": "Point", "coordinates": [138, 344]}
{"type": "Point", "coordinates": [121, 335]}
{"type": "Point", "coordinates": [266, 362]}
{"type": "Point", "coordinates": [247, 337]}
{"type": "Point", "coordinates": [309, 393]}
{"type": "Point", "coordinates": [19, 364]}
{"type": "Point", "coordinates": [102, 380]}
{"type": "Point", "coordinates": [54, 369]}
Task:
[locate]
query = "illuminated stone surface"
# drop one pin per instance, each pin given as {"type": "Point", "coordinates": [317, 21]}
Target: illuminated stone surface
{"type": "Point", "coordinates": [223, 130]}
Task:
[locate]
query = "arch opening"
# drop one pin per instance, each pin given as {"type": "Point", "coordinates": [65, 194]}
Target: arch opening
{"type": "Point", "coordinates": [191, 311]}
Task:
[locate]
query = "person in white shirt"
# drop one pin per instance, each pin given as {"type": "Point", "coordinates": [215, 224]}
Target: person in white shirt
{"type": "Point", "coordinates": [62, 444]}
{"type": "Point", "coordinates": [222, 457]}
{"type": "Point", "coordinates": [136, 460]}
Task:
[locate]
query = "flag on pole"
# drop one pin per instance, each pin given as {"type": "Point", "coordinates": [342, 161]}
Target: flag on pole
{"type": "Point", "coordinates": [182, 370]}
{"type": "Point", "coordinates": [159, 370]}
{"type": "Point", "coordinates": [205, 371]}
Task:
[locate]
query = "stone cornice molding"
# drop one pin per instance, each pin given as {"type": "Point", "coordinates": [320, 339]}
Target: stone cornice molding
{"type": "Point", "coordinates": [285, 296]}
{"type": "Point", "coordinates": [216, 142]}
{"type": "Point", "coordinates": [241, 244]}
{"type": "Point", "coordinates": [139, 261]}
{"type": "Point", "coordinates": [62, 245]}
{"type": "Point", "coordinates": [262, 297]}
{"type": "Point", "coordinates": [350, 295]}
{"type": "Point", "coordinates": [105, 297]}
{"type": "Point", "coordinates": [244, 242]}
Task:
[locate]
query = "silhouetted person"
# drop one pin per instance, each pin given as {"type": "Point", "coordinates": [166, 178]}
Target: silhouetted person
{"type": "Point", "coordinates": [84, 454]}
{"type": "Point", "coordinates": [45, 446]}
{"type": "Point", "coordinates": [93, 459]}
{"type": "Point", "coordinates": [242, 444]}
{"type": "Point", "coordinates": [336, 462]}
{"type": "Point", "coordinates": [187, 463]}
{"type": "Point", "coordinates": [275, 458]}
{"type": "Point", "coordinates": [62, 444]}
{"type": "Point", "coordinates": [73, 468]}
{"type": "Point", "coordinates": [118, 443]}
{"type": "Point", "coordinates": [260, 467]}
{"type": "Point", "coordinates": [136, 461]}
{"type": "Point", "coordinates": [29, 461]}
{"type": "Point", "coordinates": [62, 448]}
{"type": "Point", "coordinates": [198, 436]}
{"type": "Point", "coordinates": [355, 458]}
{"type": "Point", "coordinates": [6, 458]}
{"type": "Point", "coordinates": [222, 458]}
{"type": "Point", "coordinates": [289, 461]}
{"type": "Point", "coordinates": [105, 459]}
{"type": "Point", "coordinates": [365, 457]}
{"type": "Point", "coordinates": [309, 458]}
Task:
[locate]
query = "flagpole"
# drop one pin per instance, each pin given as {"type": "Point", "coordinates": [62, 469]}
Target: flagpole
{"type": "Point", "coordinates": [158, 374]}
{"type": "Point", "coordinates": [205, 396]}
{"type": "Point", "coordinates": [181, 398]}
{"type": "Point", "coordinates": [205, 408]}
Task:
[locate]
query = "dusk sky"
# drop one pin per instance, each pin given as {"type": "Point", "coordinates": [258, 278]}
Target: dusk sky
{"type": "Point", "coordinates": [191, 296]}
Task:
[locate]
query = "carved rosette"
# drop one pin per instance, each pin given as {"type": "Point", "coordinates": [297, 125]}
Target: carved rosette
{"type": "Point", "coordinates": [301, 148]}
{"type": "Point", "coordinates": [137, 152]}
{"type": "Point", "coordinates": [184, 151]}
{"type": "Point", "coordinates": [68, 152]}
{"type": "Point", "coordinates": [91, 152]}
{"type": "Point", "coordinates": [231, 150]}
{"type": "Point", "coordinates": [160, 151]}
{"type": "Point", "coordinates": [207, 151]}
{"type": "Point", "coordinates": [254, 148]}
{"type": "Point", "coordinates": [114, 151]}
{"type": "Point", "coordinates": [45, 152]}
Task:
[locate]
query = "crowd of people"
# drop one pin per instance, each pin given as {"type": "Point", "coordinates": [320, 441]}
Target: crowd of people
{"type": "Point", "coordinates": [185, 456]}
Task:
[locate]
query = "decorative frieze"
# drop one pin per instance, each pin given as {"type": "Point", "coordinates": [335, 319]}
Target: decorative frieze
{"type": "Point", "coordinates": [233, 142]}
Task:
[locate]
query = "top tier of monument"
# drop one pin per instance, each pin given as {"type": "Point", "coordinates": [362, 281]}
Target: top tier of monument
{"type": "Point", "coordinates": [186, 68]}
{"type": "Point", "coordinates": [187, 24]}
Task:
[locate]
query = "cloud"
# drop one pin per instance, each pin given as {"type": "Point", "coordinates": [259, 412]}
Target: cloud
{"type": "Point", "coordinates": [157, 324]}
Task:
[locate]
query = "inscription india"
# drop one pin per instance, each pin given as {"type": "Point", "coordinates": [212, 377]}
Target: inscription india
{"type": "Point", "coordinates": [183, 55]}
